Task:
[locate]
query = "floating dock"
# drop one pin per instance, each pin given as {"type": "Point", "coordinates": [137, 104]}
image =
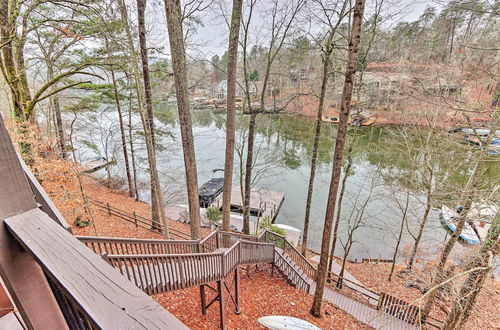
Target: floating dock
{"type": "Point", "coordinates": [262, 202]}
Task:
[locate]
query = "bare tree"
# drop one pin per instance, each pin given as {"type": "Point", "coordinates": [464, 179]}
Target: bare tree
{"type": "Point", "coordinates": [338, 154]}
{"type": "Point", "coordinates": [283, 15]}
{"type": "Point", "coordinates": [326, 52]}
{"type": "Point", "coordinates": [157, 207]}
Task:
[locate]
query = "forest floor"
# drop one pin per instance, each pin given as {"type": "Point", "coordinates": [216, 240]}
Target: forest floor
{"type": "Point", "coordinates": [272, 296]}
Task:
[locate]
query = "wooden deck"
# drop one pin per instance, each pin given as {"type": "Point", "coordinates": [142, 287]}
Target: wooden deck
{"type": "Point", "coordinates": [262, 201]}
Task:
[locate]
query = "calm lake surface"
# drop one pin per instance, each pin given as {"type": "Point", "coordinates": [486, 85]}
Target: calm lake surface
{"type": "Point", "coordinates": [283, 151]}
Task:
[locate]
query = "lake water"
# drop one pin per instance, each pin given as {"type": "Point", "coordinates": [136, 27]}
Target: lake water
{"type": "Point", "coordinates": [283, 150]}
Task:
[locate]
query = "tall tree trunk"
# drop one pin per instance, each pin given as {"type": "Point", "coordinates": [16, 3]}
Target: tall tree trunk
{"type": "Point", "coordinates": [9, 67]}
{"type": "Point", "coordinates": [317, 133]}
{"type": "Point", "coordinates": [248, 171]}
{"type": "Point", "coordinates": [131, 144]}
{"type": "Point", "coordinates": [338, 154]}
{"type": "Point", "coordinates": [339, 203]}
{"type": "Point", "coordinates": [472, 286]}
{"type": "Point", "coordinates": [177, 49]}
{"type": "Point", "coordinates": [231, 112]}
{"type": "Point", "coordinates": [423, 223]}
{"type": "Point", "coordinates": [56, 109]}
{"type": "Point", "coordinates": [156, 205]}
{"type": "Point", "coordinates": [153, 172]}
{"type": "Point", "coordinates": [470, 190]}
{"type": "Point", "coordinates": [122, 133]}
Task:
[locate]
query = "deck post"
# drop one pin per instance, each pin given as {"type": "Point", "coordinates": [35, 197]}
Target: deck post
{"type": "Point", "coordinates": [272, 263]}
{"type": "Point", "coordinates": [203, 297]}
{"type": "Point", "coordinates": [108, 208]}
{"type": "Point", "coordinates": [237, 291]}
{"type": "Point", "coordinates": [220, 289]}
{"type": "Point", "coordinates": [135, 219]}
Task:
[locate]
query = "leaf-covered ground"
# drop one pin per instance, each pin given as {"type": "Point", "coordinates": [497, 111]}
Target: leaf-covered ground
{"type": "Point", "coordinates": [260, 295]}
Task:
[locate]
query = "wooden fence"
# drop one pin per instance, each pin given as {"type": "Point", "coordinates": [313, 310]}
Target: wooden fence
{"type": "Point", "coordinates": [138, 220]}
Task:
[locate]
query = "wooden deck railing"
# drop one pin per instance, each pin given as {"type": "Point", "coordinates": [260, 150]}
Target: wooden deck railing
{"type": "Point", "coordinates": [162, 273]}
{"type": "Point", "coordinates": [256, 252]}
{"type": "Point", "coordinates": [116, 246]}
{"type": "Point", "coordinates": [138, 220]}
{"type": "Point", "coordinates": [231, 259]}
{"type": "Point", "coordinates": [292, 252]}
{"type": "Point", "coordinates": [90, 294]}
{"type": "Point", "coordinates": [156, 272]}
{"type": "Point", "coordinates": [76, 317]}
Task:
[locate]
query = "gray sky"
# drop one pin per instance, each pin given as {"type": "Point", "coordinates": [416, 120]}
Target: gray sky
{"type": "Point", "coordinates": [211, 38]}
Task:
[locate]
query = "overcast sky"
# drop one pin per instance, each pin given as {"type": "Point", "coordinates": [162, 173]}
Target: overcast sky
{"type": "Point", "coordinates": [211, 38]}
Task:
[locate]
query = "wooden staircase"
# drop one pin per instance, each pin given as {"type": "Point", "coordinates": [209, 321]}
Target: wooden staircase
{"type": "Point", "coordinates": [158, 266]}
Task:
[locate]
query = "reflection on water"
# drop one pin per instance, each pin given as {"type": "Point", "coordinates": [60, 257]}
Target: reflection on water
{"type": "Point", "coordinates": [283, 151]}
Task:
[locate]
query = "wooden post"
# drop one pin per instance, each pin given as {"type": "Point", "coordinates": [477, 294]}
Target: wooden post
{"type": "Point", "coordinates": [272, 264]}
{"type": "Point", "coordinates": [220, 289]}
{"type": "Point", "coordinates": [135, 219]}
{"type": "Point", "coordinates": [104, 257]}
{"type": "Point", "coordinates": [203, 297]}
{"type": "Point", "coordinates": [237, 291]}
{"type": "Point", "coordinates": [380, 299]}
{"type": "Point", "coordinates": [108, 208]}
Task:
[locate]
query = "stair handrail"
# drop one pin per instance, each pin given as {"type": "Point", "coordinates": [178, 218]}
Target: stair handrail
{"type": "Point", "coordinates": [304, 264]}
{"type": "Point", "coordinates": [306, 284]}
{"type": "Point", "coordinates": [266, 256]}
{"type": "Point", "coordinates": [335, 277]}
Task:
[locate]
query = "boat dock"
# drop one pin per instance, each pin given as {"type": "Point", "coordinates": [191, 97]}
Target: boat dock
{"type": "Point", "coordinates": [262, 202]}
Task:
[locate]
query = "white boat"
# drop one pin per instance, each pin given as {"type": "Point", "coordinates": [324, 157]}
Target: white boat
{"type": "Point", "coordinates": [448, 216]}
{"type": "Point", "coordinates": [292, 233]}
{"type": "Point", "coordinates": [278, 322]}
{"type": "Point", "coordinates": [479, 131]}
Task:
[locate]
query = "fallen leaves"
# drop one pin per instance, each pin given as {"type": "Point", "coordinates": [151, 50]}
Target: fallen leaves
{"type": "Point", "coordinates": [260, 295]}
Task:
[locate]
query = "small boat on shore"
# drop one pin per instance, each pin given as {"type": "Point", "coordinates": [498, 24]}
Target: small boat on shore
{"type": "Point", "coordinates": [278, 322]}
{"type": "Point", "coordinates": [478, 131]}
{"type": "Point", "coordinates": [447, 217]}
